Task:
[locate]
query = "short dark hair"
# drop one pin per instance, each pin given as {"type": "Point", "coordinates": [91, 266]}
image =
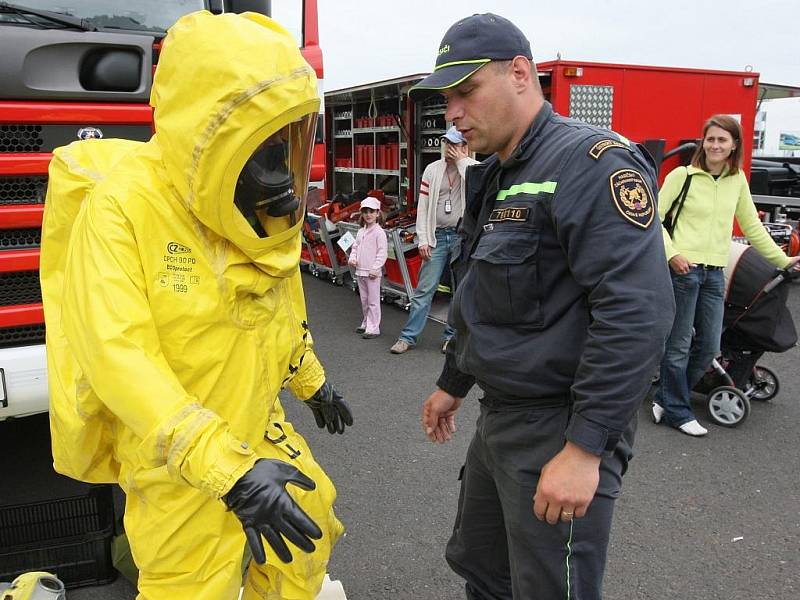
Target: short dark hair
{"type": "Point", "coordinates": [730, 125]}
{"type": "Point", "coordinates": [501, 66]}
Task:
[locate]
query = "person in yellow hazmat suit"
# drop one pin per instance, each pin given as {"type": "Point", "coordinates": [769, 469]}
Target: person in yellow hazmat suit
{"type": "Point", "coordinates": [179, 317]}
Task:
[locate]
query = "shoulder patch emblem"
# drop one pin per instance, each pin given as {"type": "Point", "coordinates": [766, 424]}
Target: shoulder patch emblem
{"type": "Point", "coordinates": [597, 150]}
{"type": "Point", "coordinates": [632, 197]}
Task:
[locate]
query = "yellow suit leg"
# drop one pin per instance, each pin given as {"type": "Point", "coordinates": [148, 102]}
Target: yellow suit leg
{"type": "Point", "coordinates": [302, 578]}
{"type": "Point", "coordinates": [185, 544]}
{"type": "Point", "coordinates": [188, 546]}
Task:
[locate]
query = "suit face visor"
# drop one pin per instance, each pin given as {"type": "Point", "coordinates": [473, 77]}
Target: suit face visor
{"type": "Point", "coordinates": [271, 188]}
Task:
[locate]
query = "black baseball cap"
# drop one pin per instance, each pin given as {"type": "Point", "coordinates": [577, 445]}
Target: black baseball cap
{"type": "Point", "coordinates": [467, 46]}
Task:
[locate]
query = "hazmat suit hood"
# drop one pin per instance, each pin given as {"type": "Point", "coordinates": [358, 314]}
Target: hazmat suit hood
{"type": "Point", "coordinates": [225, 85]}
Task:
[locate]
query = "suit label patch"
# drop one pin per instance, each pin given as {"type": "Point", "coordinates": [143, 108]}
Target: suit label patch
{"type": "Point", "coordinates": [511, 213]}
{"type": "Point", "coordinates": [597, 150]}
{"type": "Point", "coordinates": [632, 197]}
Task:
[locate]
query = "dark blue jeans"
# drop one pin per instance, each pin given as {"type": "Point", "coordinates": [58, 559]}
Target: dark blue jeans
{"type": "Point", "coordinates": [699, 304]}
{"type": "Point", "coordinates": [447, 240]}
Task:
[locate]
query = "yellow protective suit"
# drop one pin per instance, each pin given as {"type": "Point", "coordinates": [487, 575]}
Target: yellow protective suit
{"type": "Point", "coordinates": [176, 327]}
{"type": "Point", "coordinates": [82, 439]}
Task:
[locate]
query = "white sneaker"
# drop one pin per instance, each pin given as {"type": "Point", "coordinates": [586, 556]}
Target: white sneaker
{"type": "Point", "coordinates": [693, 428]}
{"type": "Point", "coordinates": [658, 413]}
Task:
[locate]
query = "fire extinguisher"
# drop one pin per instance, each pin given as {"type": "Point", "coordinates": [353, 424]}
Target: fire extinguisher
{"type": "Point", "coordinates": [794, 241]}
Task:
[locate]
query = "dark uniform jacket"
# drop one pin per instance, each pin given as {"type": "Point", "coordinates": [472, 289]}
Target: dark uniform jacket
{"type": "Point", "coordinates": [563, 291]}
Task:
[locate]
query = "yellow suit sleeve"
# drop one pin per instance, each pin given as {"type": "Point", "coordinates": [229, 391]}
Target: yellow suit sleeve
{"type": "Point", "coordinates": [108, 324]}
{"type": "Point", "coordinates": [310, 375]}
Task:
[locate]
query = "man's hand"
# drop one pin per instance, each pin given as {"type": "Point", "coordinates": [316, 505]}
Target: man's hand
{"type": "Point", "coordinates": [680, 264]}
{"type": "Point", "coordinates": [567, 485]}
{"type": "Point", "coordinates": [794, 263]}
{"type": "Point", "coordinates": [425, 252]}
{"type": "Point", "coordinates": [329, 409]}
{"type": "Point", "coordinates": [438, 416]}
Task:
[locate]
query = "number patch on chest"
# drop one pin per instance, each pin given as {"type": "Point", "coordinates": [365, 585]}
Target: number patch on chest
{"type": "Point", "coordinates": [511, 213]}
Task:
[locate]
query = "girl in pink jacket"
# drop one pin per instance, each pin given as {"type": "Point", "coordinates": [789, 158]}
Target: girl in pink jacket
{"type": "Point", "coordinates": [368, 256]}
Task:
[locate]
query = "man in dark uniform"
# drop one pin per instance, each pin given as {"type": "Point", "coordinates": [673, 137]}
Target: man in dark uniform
{"type": "Point", "coordinates": [562, 305]}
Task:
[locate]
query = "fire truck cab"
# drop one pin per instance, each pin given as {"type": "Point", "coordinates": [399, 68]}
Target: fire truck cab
{"type": "Point", "coordinates": [71, 73]}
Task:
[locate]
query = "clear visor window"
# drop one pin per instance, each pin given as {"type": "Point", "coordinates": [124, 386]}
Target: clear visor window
{"type": "Point", "coordinates": [271, 189]}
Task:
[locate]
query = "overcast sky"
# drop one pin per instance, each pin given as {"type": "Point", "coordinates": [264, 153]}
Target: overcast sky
{"type": "Point", "coordinates": [367, 41]}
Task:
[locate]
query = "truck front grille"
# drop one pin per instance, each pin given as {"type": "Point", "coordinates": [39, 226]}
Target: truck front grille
{"type": "Point", "coordinates": [24, 138]}
{"type": "Point", "coordinates": [21, 138]}
{"type": "Point", "coordinates": [23, 190]}
{"type": "Point", "coordinates": [15, 239]}
{"type": "Point", "coordinates": [21, 336]}
{"type": "Point", "coordinates": [21, 287]}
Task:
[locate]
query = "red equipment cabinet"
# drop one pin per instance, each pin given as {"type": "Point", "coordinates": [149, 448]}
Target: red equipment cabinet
{"type": "Point", "coordinates": [652, 103]}
{"type": "Point", "coordinates": [413, 263]}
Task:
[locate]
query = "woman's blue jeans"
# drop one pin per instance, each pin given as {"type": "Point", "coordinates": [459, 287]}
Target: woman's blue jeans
{"type": "Point", "coordinates": [430, 273]}
{"type": "Point", "coordinates": [699, 304]}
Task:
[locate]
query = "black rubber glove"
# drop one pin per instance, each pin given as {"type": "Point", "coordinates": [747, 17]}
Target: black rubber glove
{"type": "Point", "coordinates": [264, 507]}
{"type": "Point", "coordinates": [329, 409]}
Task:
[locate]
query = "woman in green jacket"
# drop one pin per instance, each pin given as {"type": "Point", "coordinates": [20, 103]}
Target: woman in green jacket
{"type": "Point", "coordinates": [697, 250]}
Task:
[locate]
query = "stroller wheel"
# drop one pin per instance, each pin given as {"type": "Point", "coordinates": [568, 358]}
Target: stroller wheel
{"type": "Point", "coordinates": [763, 384]}
{"type": "Point", "coordinates": [728, 406]}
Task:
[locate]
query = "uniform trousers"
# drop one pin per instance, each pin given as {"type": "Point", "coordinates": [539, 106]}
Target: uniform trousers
{"type": "Point", "coordinates": [498, 545]}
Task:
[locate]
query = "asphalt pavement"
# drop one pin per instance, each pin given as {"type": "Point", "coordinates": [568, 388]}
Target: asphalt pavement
{"type": "Point", "coordinates": [710, 518]}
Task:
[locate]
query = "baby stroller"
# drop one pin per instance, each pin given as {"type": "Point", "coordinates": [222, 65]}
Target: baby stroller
{"type": "Point", "coordinates": [756, 321]}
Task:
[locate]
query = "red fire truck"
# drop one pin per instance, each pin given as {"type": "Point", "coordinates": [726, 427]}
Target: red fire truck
{"type": "Point", "coordinates": [662, 107]}
{"type": "Point", "coordinates": [379, 142]}
{"type": "Point", "coordinates": [67, 73]}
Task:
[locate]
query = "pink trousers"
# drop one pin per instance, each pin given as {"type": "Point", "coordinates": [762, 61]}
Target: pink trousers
{"type": "Point", "coordinates": [370, 292]}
